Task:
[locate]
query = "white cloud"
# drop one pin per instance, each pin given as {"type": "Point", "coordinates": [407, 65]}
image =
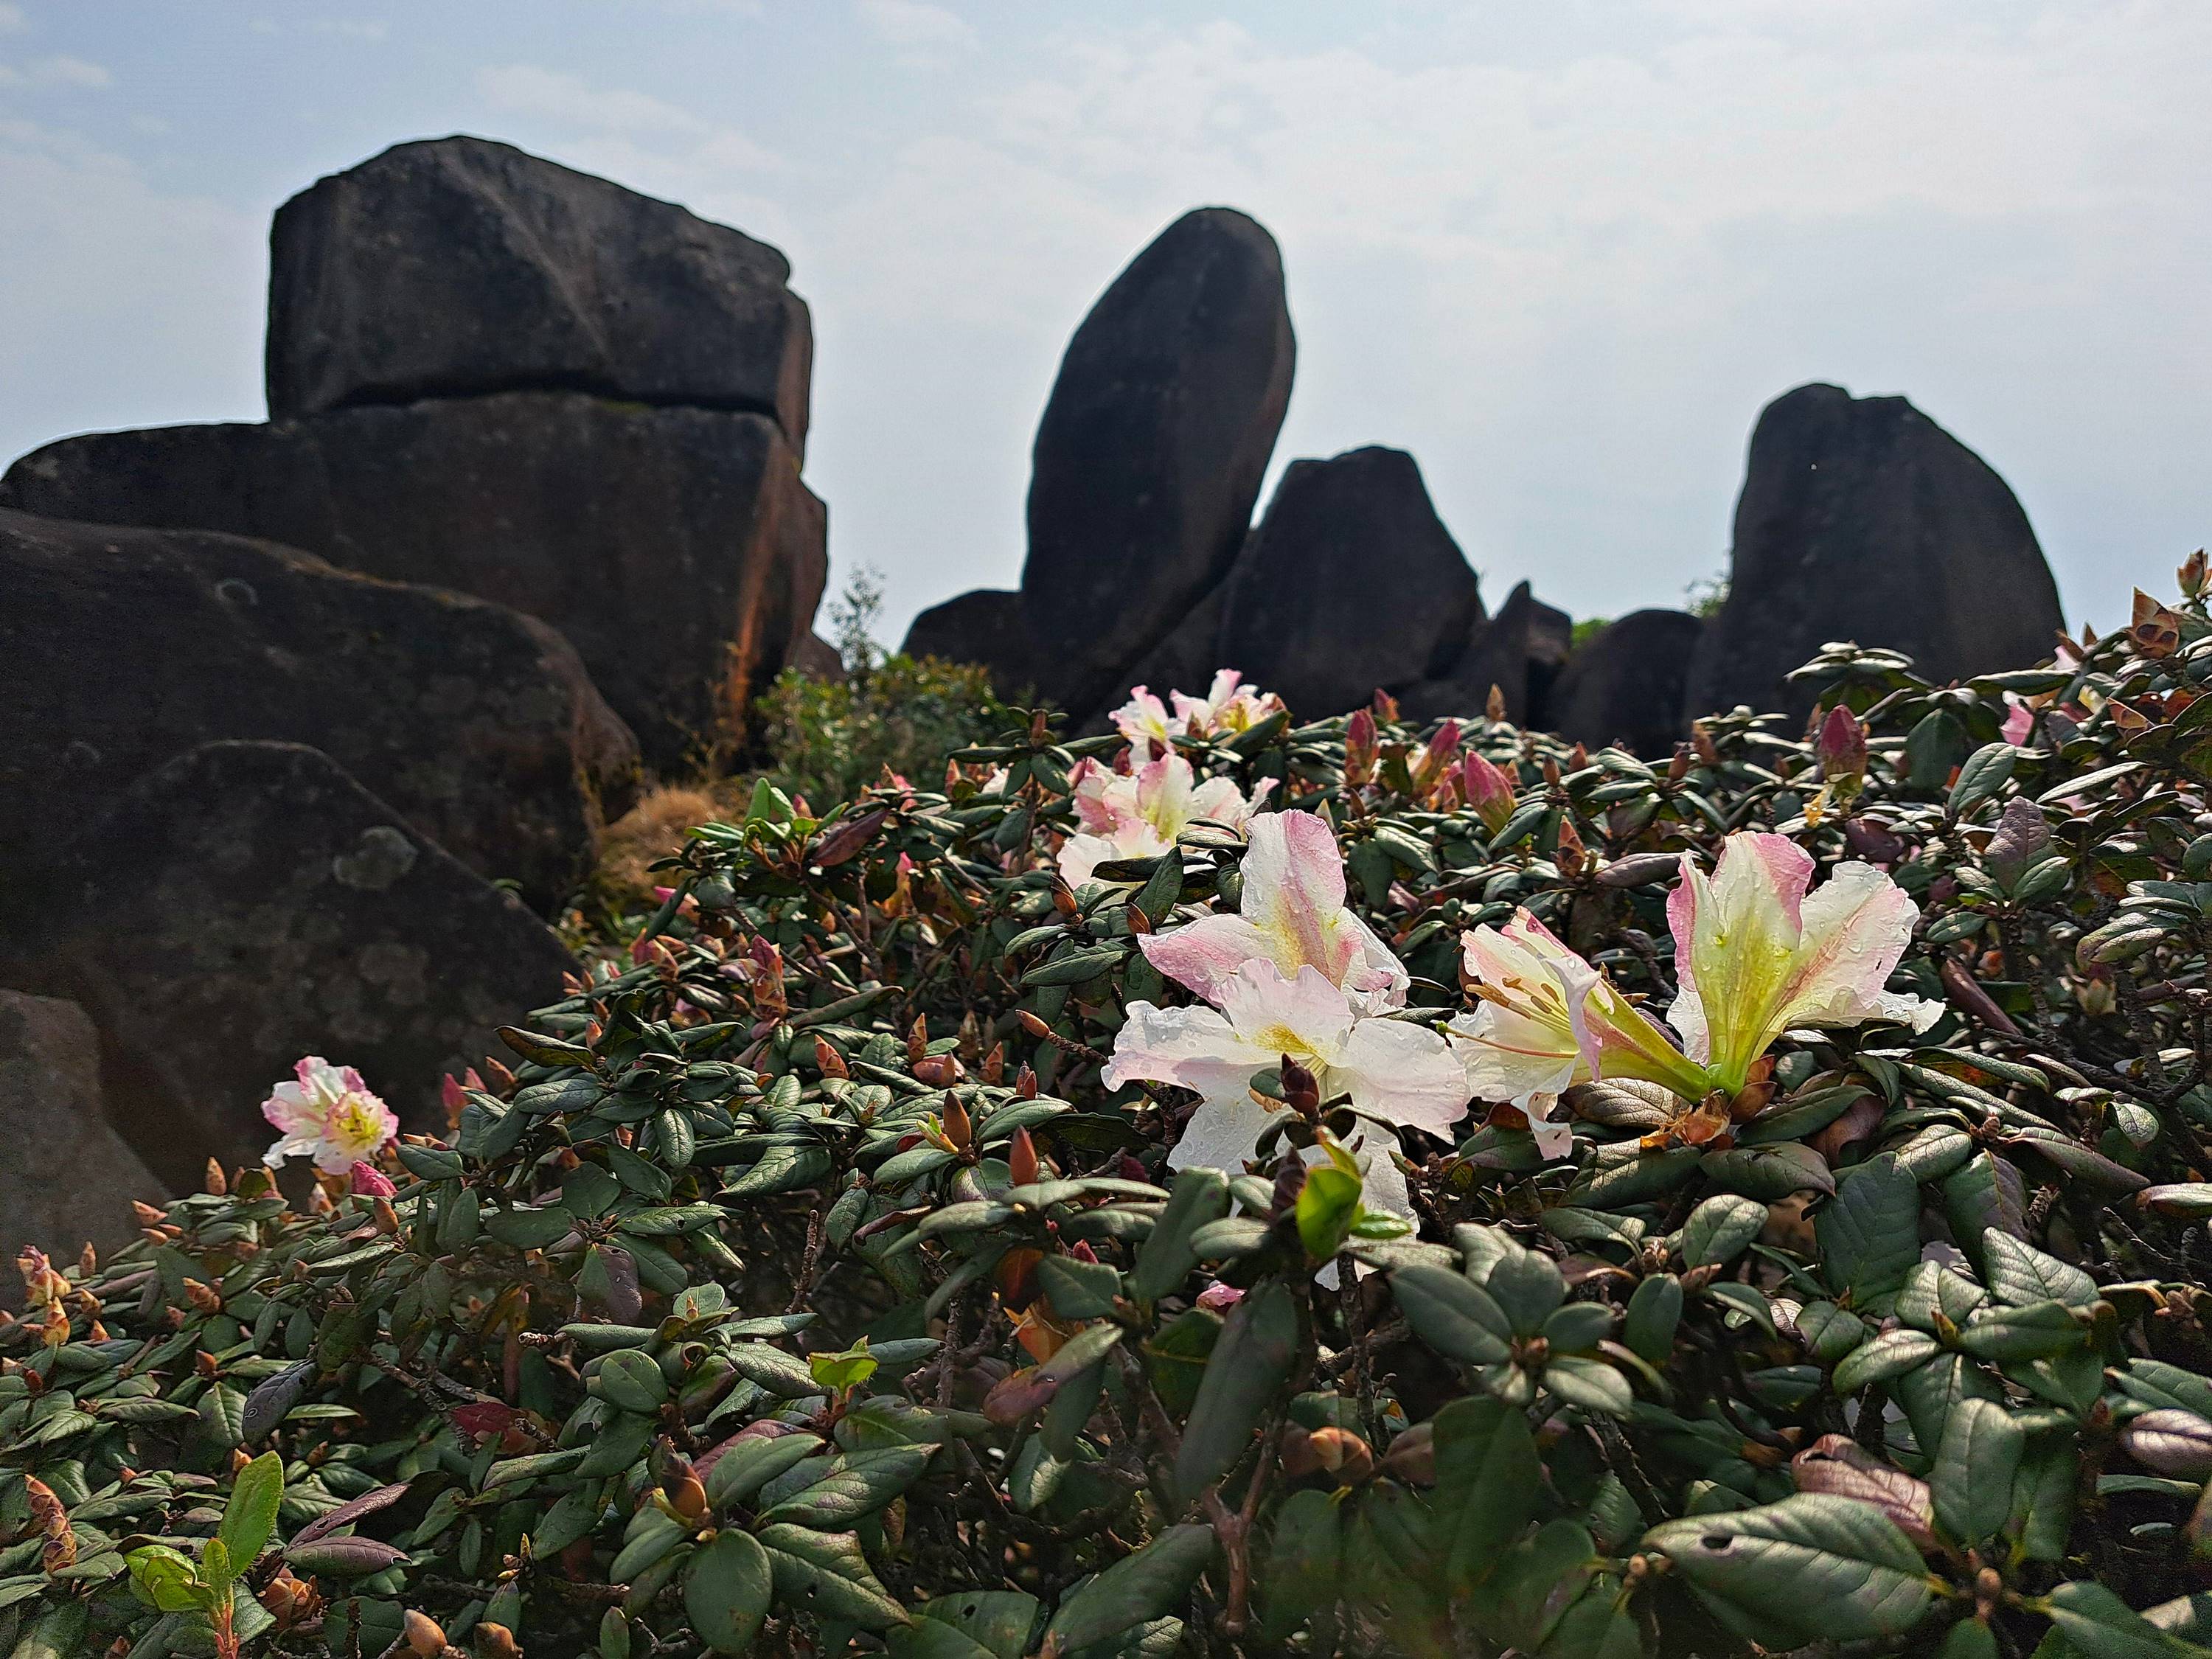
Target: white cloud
{"type": "Point", "coordinates": [11, 18]}
{"type": "Point", "coordinates": [915, 24]}
{"type": "Point", "coordinates": [126, 307]}
{"type": "Point", "coordinates": [351, 28]}
{"type": "Point", "coordinates": [529, 90]}
{"type": "Point", "coordinates": [59, 71]}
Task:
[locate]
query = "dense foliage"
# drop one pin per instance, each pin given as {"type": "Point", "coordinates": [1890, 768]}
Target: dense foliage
{"type": "Point", "coordinates": [829, 740]}
{"type": "Point", "coordinates": [804, 1286]}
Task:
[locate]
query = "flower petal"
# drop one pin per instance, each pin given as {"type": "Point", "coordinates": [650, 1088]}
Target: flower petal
{"type": "Point", "coordinates": [1306, 1017]}
{"type": "Point", "coordinates": [1736, 936]}
{"type": "Point", "coordinates": [1220, 1135]}
{"type": "Point", "coordinates": [1202, 955]}
{"type": "Point", "coordinates": [1403, 1074]}
{"type": "Point", "coordinates": [1857, 926]}
{"type": "Point", "coordinates": [1193, 1048]}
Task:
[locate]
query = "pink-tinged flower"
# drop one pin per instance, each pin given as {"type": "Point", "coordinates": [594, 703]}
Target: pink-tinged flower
{"type": "Point", "coordinates": [367, 1180]}
{"type": "Point", "coordinates": [1548, 1020]}
{"type": "Point", "coordinates": [2018, 721]}
{"type": "Point", "coordinates": [1229, 706]}
{"type": "Point", "coordinates": [1488, 790]}
{"type": "Point", "coordinates": [328, 1113]}
{"type": "Point", "coordinates": [1292, 914]}
{"type": "Point", "coordinates": [1145, 722]}
{"type": "Point", "coordinates": [1397, 1074]}
{"type": "Point", "coordinates": [1756, 952]}
{"type": "Point", "coordinates": [1139, 814]}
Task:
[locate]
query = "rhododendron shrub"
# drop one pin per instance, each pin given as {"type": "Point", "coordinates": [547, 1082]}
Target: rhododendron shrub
{"type": "Point", "coordinates": [1242, 1185]}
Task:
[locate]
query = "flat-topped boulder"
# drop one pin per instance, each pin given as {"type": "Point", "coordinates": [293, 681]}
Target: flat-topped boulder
{"type": "Point", "coordinates": [1624, 682]}
{"type": "Point", "coordinates": [1861, 518]}
{"type": "Point", "coordinates": [675, 548]}
{"type": "Point", "coordinates": [1350, 583]}
{"type": "Point", "coordinates": [1152, 449]}
{"type": "Point", "coordinates": [247, 904]}
{"type": "Point", "coordinates": [126, 647]}
{"type": "Point", "coordinates": [453, 267]}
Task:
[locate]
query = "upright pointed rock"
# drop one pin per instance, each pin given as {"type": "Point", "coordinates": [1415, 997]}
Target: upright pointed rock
{"type": "Point", "coordinates": [1151, 453]}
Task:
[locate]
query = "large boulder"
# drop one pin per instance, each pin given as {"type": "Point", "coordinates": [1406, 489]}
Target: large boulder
{"type": "Point", "coordinates": [675, 548]}
{"type": "Point", "coordinates": [986, 625]}
{"type": "Point", "coordinates": [1518, 653]}
{"type": "Point", "coordinates": [1150, 455]}
{"type": "Point", "coordinates": [248, 904]}
{"type": "Point", "coordinates": [126, 647]}
{"type": "Point", "coordinates": [1350, 583]}
{"type": "Point", "coordinates": [457, 266]}
{"type": "Point", "coordinates": [69, 1178]}
{"type": "Point", "coordinates": [1624, 683]}
{"type": "Point", "coordinates": [1861, 518]}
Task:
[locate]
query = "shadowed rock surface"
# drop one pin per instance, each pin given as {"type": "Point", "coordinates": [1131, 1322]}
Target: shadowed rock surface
{"type": "Point", "coordinates": [1350, 582]}
{"type": "Point", "coordinates": [1624, 682]}
{"type": "Point", "coordinates": [1520, 651]}
{"type": "Point", "coordinates": [1861, 518]}
{"type": "Point", "coordinates": [250, 902]}
{"type": "Point", "coordinates": [68, 1176]}
{"type": "Point", "coordinates": [458, 266]}
{"type": "Point", "coordinates": [675, 548]}
{"type": "Point", "coordinates": [985, 625]}
{"type": "Point", "coordinates": [1152, 449]}
{"type": "Point", "coordinates": [126, 647]}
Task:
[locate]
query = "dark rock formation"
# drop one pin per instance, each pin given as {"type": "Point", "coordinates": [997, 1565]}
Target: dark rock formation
{"type": "Point", "coordinates": [247, 904]}
{"type": "Point", "coordinates": [458, 266]}
{"type": "Point", "coordinates": [1350, 583]}
{"type": "Point", "coordinates": [986, 625]}
{"type": "Point", "coordinates": [1153, 447]}
{"type": "Point", "coordinates": [675, 548]}
{"type": "Point", "coordinates": [1863, 519]}
{"type": "Point", "coordinates": [1624, 683]}
{"type": "Point", "coordinates": [68, 1178]}
{"type": "Point", "coordinates": [1520, 651]}
{"type": "Point", "coordinates": [126, 647]}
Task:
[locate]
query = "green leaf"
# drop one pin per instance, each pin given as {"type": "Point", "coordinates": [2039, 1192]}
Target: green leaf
{"type": "Point", "coordinates": [1328, 1205]}
{"type": "Point", "coordinates": [2092, 1623]}
{"type": "Point", "coordinates": [1457, 1318]}
{"type": "Point", "coordinates": [1489, 1480]}
{"type": "Point", "coordinates": [1244, 1374]}
{"type": "Point", "coordinates": [251, 1515]}
{"type": "Point", "coordinates": [1298, 1572]}
{"type": "Point", "coordinates": [1175, 1358]}
{"type": "Point", "coordinates": [858, 1485]}
{"type": "Point", "coordinates": [996, 1622]}
{"type": "Point", "coordinates": [827, 1574]}
{"type": "Point", "coordinates": [1890, 1354]}
{"type": "Point", "coordinates": [222, 1416]}
{"type": "Point", "coordinates": [746, 1466]}
{"type": "Point", "coordinates": [1769, 1173]}
{"type": "Point", "coordinates": [727, 1586]}
{"type": "Point", "coordinates": [1972, 1476]}
{"type": "Point", "coordinates": [1077, 1288]}
{"type": "Point", "coordinates": [527, 1229]}
{"type": "Point", "coordinates": [2040, 1330]}
{"type": "Point", "coordinates": [1982, 774]}
{"type": "Point", "coordinates": [166, 1580]}
{"type": "Point", "coordinates": [848, 1370]}
{"type": "Point", "coordinates": [1655, 1313]}
{"type": "Point", "coordinates": [1810, 1568]}
{"type": "Point", "coordinates": [2019, 1274]}
{"type": "Point", "coordinates": [1135, 1590]}
{"type": "Point", "coordinates": [1870, 1231]}
{"type": "Point", "coordinates": [1719, 1230]}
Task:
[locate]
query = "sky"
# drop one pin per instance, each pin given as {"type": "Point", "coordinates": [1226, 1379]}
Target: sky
{"type": "Point", "coordinates": [1561, 253]}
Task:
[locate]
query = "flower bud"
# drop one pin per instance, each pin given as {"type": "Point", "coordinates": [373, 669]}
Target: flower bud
{"type": "Point", "coordinates": [1488, 790]}
{"type": "Point", "coordinates": [995, 1064]}
{"type": "Point", "coordinates": [827, 1060]}
{"type": "Point", "coordinates": [1841, 747]}
{"type": "Point", "coordinates": [1022, 1160]}
{"type": "Point", "coordinates": [424, 1637]}
{"type": "Point", "coordinates": [213, 1181]}
{"type": "Point", "coordinates": [1360, 750]}
{"type": "Point", "coordinates": [496, 1641]}
{"type": "Point", "coordinates": [2192, 576]}
{"type": "Point", "coordinates": [367, 1180]}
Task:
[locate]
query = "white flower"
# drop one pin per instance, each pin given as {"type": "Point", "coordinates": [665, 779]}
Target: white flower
{"type": "Point", "coordinates": [328, 1113]}
{"type": "Point", "coordinates": [1397, 1074]}
{"type": "Point", "coordinates": [1139, 814]}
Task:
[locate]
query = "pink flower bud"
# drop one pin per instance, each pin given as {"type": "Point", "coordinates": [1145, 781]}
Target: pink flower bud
{"type": "Point", "coordinates": [1215, 1297]}
{"type": "Point", "coordinates": [451, 1094]}
{"type": "Point", "coordinates": [1436, 756]}
{"type": "Point", "coordinates": [1360, 750]}
{"type": "Point", "coordinates": [367, 1180]}
{"type": "Point", "coordinates": [1842, 746]}
{"type": "Point", "coordinates": [1488, 790]}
